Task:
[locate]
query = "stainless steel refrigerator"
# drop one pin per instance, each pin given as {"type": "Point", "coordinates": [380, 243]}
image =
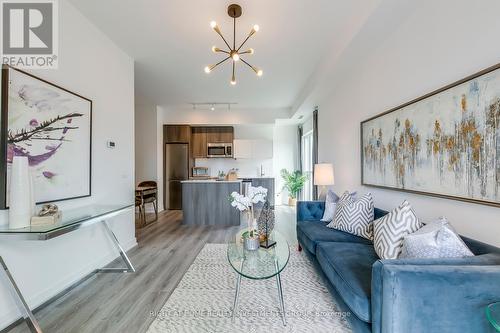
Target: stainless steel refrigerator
{"type": "Point", "coordinates": [176, 170]}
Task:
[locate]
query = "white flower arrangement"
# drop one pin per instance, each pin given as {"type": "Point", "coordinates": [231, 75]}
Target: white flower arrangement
{"type": "Point", "coordinates": [245, 203]}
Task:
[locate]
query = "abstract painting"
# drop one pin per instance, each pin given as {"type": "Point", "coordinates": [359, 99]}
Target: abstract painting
{"type": "Point", "coordinates": [52, 127]}
{"type": "Point", "coordinates": [446, 143]}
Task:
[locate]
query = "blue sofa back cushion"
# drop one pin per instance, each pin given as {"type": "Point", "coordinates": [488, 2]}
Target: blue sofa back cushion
{"type": "Point", "coordinates": [313, 211]}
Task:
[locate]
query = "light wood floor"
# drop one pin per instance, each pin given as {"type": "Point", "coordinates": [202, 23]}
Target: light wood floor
{"type": "Point", "coordinates": [124, 302]}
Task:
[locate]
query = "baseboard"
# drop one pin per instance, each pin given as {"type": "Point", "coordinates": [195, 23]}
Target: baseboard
{"type": "Point", "coordinates": [41, 298]}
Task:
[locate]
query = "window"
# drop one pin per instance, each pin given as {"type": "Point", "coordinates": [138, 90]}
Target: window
{"type": "Point", "coordinates": [307, 165]}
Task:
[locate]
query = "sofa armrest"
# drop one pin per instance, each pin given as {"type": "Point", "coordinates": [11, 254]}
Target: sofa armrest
{"type": "Point", "coordinates": [432, 297]}
{"type": "Point", "coordinates": [310, 210]}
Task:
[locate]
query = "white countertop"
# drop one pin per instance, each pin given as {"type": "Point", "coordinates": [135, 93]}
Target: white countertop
{"type": "Point", "coordinates": [210, 181]}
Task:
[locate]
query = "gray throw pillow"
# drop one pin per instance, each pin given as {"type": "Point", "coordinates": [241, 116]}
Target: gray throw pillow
{"type": "Point", "coordinates": [435, 240]}
{"type": "Point", "coordinates": [354, 216]}
{"type": "Point", "coordinates": [330, 206]}
{"type": "Point", "coordinates": [390, 230]}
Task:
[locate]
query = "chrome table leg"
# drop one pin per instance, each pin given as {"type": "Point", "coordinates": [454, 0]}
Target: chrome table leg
{"type": "Point", "coordinates": [129, 268]}
{"type": "Point", "coordinates": [280, 293]}
{"type": "Point", "coordinates": [236, 297]}
{"type": "Point", "coordinates": [237, 293]}
{"type": "Point", "coordinates": [21, 302]}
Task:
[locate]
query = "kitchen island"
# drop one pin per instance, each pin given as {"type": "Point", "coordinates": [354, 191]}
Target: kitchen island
{"type": "Point", "coordinates": [206, 202]}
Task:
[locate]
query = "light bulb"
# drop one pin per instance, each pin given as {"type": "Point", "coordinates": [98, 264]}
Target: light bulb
{"type": "Point", "coordinates": [260, 72]}
{"type": "Point", "coordinates": [208, 69]}
{"type": "Point", "coordinates": [212, 108]}
{"type": "Point", "coordinates": [235, 56]}
{"type": "Point", "coordinates": [214, 49]}
{"type": "Point", "coordinates": [251, 51]}
{"type": "Point", "coordinates": [233, 82]}
{"type": "Point", "coordinates": [213, 24]}
{"type": "Point", "coordinates": [256, 28]}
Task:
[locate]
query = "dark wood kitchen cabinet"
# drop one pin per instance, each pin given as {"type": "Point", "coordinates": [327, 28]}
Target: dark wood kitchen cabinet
{"type": "Point", "coordinates": [220, 134]}
{"type": "Point", "coordinates": [199, 142]}
{"type": "Point", "coordinates": [177, 133]}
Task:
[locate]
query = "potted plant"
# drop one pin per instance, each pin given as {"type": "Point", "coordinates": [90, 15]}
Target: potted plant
{"type": "Point", "coordinates": [244, 203]}
{"type": "Point", "coordinates": [294, 182]}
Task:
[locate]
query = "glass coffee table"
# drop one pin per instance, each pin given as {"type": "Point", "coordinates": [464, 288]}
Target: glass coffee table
{"type": "Point", "coordinates": [260, 264]}
{"type": "Point", "coordinates": [493, 315]}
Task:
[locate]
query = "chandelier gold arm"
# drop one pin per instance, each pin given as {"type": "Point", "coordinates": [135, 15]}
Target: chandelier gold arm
{"type": "Point", "coordinates": [217, 64]}
{"type": "Point", "coordinates": [249, 51]}
{"type": "Point", "coordinates": [217, 30]}
{"type": "Point", "coordinates": [216, 49]}
{"type": "Point", "coordinates": [252, 32]}
{"type": "Point", "coordinates": [233, 78]}
{"type": "Point", "coordinates": [255, 69]}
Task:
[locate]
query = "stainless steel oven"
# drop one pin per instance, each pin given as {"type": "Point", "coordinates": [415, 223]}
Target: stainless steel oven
{"type": "Point", "coordinates": [219, 150]}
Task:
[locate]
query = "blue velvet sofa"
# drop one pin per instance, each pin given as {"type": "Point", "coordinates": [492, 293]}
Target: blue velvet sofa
{"type": "Point", "coordinates": [402, 295]}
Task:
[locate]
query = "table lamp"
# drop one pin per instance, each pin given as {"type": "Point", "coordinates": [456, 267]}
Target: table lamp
{"type": "Point", "coordinates": [323, 176]}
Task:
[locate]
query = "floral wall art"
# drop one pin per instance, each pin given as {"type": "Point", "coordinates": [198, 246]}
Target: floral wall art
{"type": "Point", "coordinates": [52, 127]}
{"type": "Point", "coordinates": [446, 143]}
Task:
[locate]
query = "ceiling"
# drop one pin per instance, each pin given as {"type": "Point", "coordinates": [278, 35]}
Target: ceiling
{"type": "Point", "coordinates": [171, 42]}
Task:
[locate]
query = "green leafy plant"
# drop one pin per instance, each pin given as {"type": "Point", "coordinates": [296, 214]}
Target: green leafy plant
{"type": "Point", "coordinates": [294, 182]}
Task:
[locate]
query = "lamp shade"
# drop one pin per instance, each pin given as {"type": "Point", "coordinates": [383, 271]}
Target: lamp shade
{"type": "Point", "coordinates": [323, 174]}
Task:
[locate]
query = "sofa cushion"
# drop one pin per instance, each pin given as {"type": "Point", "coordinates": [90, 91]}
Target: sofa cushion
{"type": "Point", "coordinates": [330, 206]}
{"type": "Point", "coordinates": [309, 233]}
{"type": "Point", "coordinates": [437, 239]}
{"type": "Point", "coordinates": [354, 216]}
{"type": "Point", "coordinates": [390, 230]}
{"type": "Point", "coordinates": [348, 266]}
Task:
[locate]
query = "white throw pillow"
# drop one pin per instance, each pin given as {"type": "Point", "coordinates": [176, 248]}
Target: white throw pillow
{"type": "Point", "coordinates": [330, 206]}
{"type": "Point", "coordinates": [354, 216]}
{"type": "Point", "coordinates": [391, 229]}
{"type": "Point", "coordinates": [435, 240]}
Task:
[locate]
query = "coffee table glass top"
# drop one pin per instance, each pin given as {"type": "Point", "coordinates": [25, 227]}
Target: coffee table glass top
{"type": "Point", "coordinates": [493, 314]}
{"type": "Point", "coordinates": [259, 264]}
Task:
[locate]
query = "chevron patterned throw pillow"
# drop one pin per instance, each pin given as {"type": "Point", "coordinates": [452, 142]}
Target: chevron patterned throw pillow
{"type": "Point", "coordinates": [354, 216]}
{"type": "Point", "coordinates": [391, 229]}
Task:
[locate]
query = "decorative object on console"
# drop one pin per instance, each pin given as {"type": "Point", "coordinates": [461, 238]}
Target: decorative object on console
{"type": "Point", "coordinates": [21, 207]}
{"type": "Point", "coordinates": [294, 182]}
{"type": "Point", "coordinates": [265, 224]}
{"type": "Point", "coordinates": [232, 52]}
{"type": "Point", "coordinates": [323, 176]}
{"type": "Point", "coordinates": [232, 175]}
{"type": "Point", "coordinates": [390, 230]}
{"type": "Point", "coordinates": [245, 204]}
{"type": "Point", "coordinates": [51, 126]}
{"type": "Point", "coordinates": [435, 240]}
{"type": "Point", "coordinates": [354, 216]}
{"type": "Point", "coordinates": [331, 201]}
{"type": "Point", "coordinates": [49, 214]}
{"type": "Point", "coordinates": [221, 175]}
{"type": "Point", "coordinates": [444, 144]}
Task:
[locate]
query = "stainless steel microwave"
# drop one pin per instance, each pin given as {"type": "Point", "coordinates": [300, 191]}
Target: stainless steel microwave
{"type": "Point", "coordinates": [219, 150]}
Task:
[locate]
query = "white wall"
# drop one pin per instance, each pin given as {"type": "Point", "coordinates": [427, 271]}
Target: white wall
{"type": "Point", "coordinates": [145, 142]}
{"type": "Point", "coordinates": [91, 65]}
{"type": "Point", "coordinates": [221, 116]}
{"type": "Point", "coordinates": [439, 43]}
{"type": "Point", "coordinates": [286, 150]}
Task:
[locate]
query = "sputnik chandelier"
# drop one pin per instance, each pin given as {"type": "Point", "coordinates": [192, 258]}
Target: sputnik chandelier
{"type": "Point", "coordinates": [233, 53]}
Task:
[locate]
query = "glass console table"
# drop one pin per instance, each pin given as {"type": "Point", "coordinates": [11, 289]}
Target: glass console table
{"type": "Point", "coordinates": [72, 219]}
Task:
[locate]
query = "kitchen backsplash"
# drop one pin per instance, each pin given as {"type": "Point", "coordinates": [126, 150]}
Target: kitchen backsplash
{"type": "Point", "coordinates": [246, 167]}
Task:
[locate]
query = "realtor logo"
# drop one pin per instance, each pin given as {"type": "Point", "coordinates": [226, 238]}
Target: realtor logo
{"type": "Point", "coordinates": [29, 33]}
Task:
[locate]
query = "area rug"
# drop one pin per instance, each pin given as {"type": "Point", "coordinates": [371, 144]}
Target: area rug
{"type": "Point", "coordinates": [203, 300]}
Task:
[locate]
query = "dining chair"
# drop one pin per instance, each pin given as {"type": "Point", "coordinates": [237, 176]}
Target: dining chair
{"type": "Point", "coordinates": [150, 198]}
{"type": "Point", "coordinates": [142, 215]}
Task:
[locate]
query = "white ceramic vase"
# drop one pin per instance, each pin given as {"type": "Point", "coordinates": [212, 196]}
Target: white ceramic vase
{"type": "Point", "coordinates": [20, 199]}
